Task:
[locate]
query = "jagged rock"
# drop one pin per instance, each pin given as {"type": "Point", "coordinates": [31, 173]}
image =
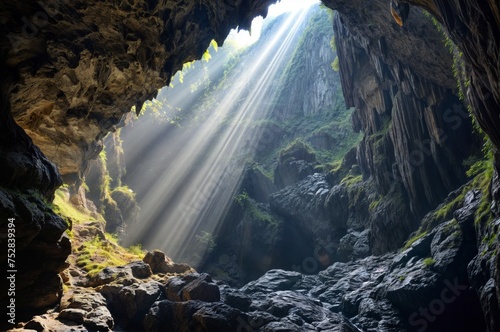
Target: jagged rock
{"type": "Point", "coordinates": [97, 315]}
{"type": "Point", "coordinates": [466, 215]}
{"type": "Point", "coordinates": [236, 299]}
{"type": "Point", "coordinates": [129, 304]}
{"type": "Point", "coordinates": [160, 263]}
{"type": "Point", "coordinates": [416, 129]}
{"type": "Point", "coordinates": [282, 327]}
{"type": "Point", "coordinates": [337, 204]}
{"type": "Point", "coordinates": [354, 245]}
{"type": "Point", "coordinates": [93, 87]}
{"type": "Point", "coordinates": [68, 88]}
{"type": "Point", "coordinates": [170, 316]}
{"type": "Point", "coordinates": [126, 203]}
{"type": "Point", "coordinates": [110, 274]}
{"type": "Point", "coordinates": [294, 165]}
{"type": "Point", "coordinates": [99, 319]}
{"type": "Point", "coordinates": [39, 246]}
{"type": "Point", "coordinates": [292, 171]}
{"type": "Point", "coordinates": [73, 315]}
{"type": "Point", "coordinates": [272, 281]}
{"type": "Point", "coordinates": [307, 227]}
{"type": "Point", "coordinates": [192, 287]}
{"type": "Point", "coordinates": [194, 316]}
{"type": "Point", "coordinates": [235, 261]}
{"type": "Point", "coordinates": [257, 185]}
{"type": "Point", "coordinates": [420, 248]}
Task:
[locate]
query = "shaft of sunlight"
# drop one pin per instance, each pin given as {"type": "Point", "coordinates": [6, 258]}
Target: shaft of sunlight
{"type": "Point", "coordinates": [195, 191]}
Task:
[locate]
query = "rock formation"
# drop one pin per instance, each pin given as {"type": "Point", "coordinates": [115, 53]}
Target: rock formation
{"type": "Point", "coordinates": [469, 27]}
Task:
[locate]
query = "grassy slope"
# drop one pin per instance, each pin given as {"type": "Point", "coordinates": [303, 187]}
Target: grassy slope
{"type": "Point", "coordinates": [92, 248]}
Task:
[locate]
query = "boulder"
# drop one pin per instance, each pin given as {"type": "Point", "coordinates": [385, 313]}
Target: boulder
{"type": "Point", "coordinates": [192, 287]}
{"type": "Point", "coordinates": [129, 304]}
{"type": "Point", "coordinates": [137, 269]}
{"type": "Point", "coordinates": [160, 263]}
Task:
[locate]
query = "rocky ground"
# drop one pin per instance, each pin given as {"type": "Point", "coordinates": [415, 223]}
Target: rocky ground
{"type": "Point", "coordinates": [422, 288]}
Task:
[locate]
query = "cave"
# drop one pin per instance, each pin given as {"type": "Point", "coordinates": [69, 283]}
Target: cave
{"type": "Point", "coordinates": [254, 165]}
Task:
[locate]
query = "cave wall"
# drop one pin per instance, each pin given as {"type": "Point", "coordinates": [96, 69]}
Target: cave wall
{"type": "Point", "coordinates": [421, 93]}
{"type": "Point", "coordinates": [308, 87]}
{"type": "Point", "coordinates": [80, 66]}
{"type": "Point", "coordinates": [416, 129]}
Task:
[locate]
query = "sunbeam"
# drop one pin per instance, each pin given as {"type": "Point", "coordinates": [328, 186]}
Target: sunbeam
{"type": "Point", "coordinates": [193, 194]}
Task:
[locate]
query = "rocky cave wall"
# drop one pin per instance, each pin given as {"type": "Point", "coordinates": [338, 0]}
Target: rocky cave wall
{"type": "Point", "coordinates": [79, 67]}
{"type": "Point", "coordinates": [70, 72]}
{"type": "Point", "coordinates": [419, 102]}
{"type": "Point", "coordinates": [417, 131]}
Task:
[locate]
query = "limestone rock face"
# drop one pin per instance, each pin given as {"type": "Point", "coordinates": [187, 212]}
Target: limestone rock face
{"type": "Point", "coordinates": [400, 82]}
{"type": "Point", "coordinates": [27, 181]}
{"type": "Point", "coordinates": [79, 67]}
{"type": "Point", "coordinates": [316, 90]}
{"type": "Point", "coordinates": [415, 95]}
{"type": "Point", "coordinates": [470, 25]}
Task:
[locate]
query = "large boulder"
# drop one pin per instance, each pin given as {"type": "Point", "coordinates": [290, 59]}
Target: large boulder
{"type": "Point", "coordinates": [160, 263]}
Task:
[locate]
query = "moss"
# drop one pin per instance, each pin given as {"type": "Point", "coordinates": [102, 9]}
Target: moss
{"type": "Point", "coordinates": [351, 180]}
{"type": "Point", "coordinates": [413, 239]}
{"type": "Point", "coordinates": [95, 255]}
{"type": "Point", "coordinates": [445, 210]}
{"type": "Point", "coordinates": [489, 240]}
{"type": "Point", "coordinates": [137, 250]}
{"type": "Point", "coordinates": [482, 181]}
{"type": "Point", "coordinates": [299, 150]}
{"type": "Point", "coordinates": [429, 261]}
{"type": "Point", "coordinates": [126, 191]}
{"type": "Point", "coordinates": [375, 203]}
{"type": "Point", "coordinates": [67, 210]}
{"type": "Point", "coordinates": [481, 172]}
{"type": "Point", "coordinates": [253, 211]}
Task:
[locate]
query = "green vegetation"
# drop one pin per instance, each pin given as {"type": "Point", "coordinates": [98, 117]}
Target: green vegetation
{"type": "Point", "coordinates": [429, 261]}
{"type": "Point", "coordinates": [375, 203]}
{"type": "Point", "coordinates": [458, 66]}
{"type": "Point", "coordinates": [252, 211]}
{"type": "Point", "coordinates": [445, 210]}
{"type": "Point", "coordinates": [481, 172]}
{"type": "Point", "coordinates": [68, 211]}
{"type": "Point", "coordinates": [413, 239]}
{"type": "Point", "coordinates": [299, 150]}
{"type": "Point", "coordinates": [351, 180]}
{"type": "Point", "coordinates": [126, 191]}
{"type": "Point", "coordinates": [137, 250]}
{"type": "Point", "coordinates": [95, 255]}
{"type": "Point", "coordinates": [335, 64]}
{"type": "Point", "coordinates": [93, 249]}
{"type": "Point", "coordinates": [206, 241]}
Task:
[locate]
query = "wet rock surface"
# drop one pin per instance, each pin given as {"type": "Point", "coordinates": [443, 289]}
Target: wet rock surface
{"type": "Point", "coordinates": [425, 286]}
{"type": "Point", "coordinates": [421, 286]}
